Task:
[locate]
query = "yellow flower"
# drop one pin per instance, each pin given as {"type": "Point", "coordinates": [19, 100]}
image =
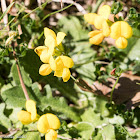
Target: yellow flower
{"type": "Point", "coordinates": [96, 37]}
{"type": "Point", "coordinates": [30, 115]}
{"type": "Point", "coordinates": [100, 20]}
{"type": "Point", "coordinates": [51, 135]}
{"type": "Point", "coordinates": [24, 117]}
{"type": "Point", "coordinates": [62, 65]}
{"type": "Point", "coordinates": [52, 40]}
{"type": "Point", "coordinates": [45, 69]}
{"type": "Point", "coordinates": [120, 31]}
{"type": "Point", "coordinates": [121, 43]}
{"type": "Point", "coordinates": [48, 121]}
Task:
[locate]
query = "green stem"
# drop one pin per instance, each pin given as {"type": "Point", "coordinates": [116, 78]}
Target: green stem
{"type": "Point", "coordinates": [43, 5]}
{"type": "Point", "coordinates": [13, 19]}
{"type": "Point", "coordinates": [125, 131]}
{"type": "Point", "coordinates": [115, 85]}
{"type": "Point", "coordinates": [136, 36]}
{"type": "Point", "coordinates": [113, 89]}
{"type": "Point", "coordinates": [97, 5]}
{"type": "Point", "coordinates": [56, 12]}
{"type": "Point", "coordinates": [138, 83]}
{"type": "Point", "coordinates": [7, 10]}
{"type": "Point", "coordinates": [73, 78]}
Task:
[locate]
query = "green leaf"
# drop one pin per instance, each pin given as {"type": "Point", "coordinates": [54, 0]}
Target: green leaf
{"type": "Point", "coordinates": [31, 136]}
{"type": "Point", "coordinates": [14, 97]}
{"type": "Point", "coordinates": [31, 64]}
{"type": "Point", "coordinates": [4, 121]}
{"type": "Point", "coordinates": [116, 120]}
{"type": "Point", "coordinates": [27, 80]}
{"type": "Point", "coordinates": [59, 105]}
{"type": "Point", "coordinates": [84, 58]}
{"type": "Point", "coordinates": [98, 137]}
{"type": "Point", "coordinates": [116, 8]}
{"type": "Point", "coordinates": [72, 26]}
{"type": "Point", "coordinates": [134, 17]}
{"type": "Point", "coordinates": [132, 50]}
{"type": "Point", "coordinates": [85, 130]}
{"type": "Point", "coordinates": [108, 132]}
{"type": "Point", "coordinates": [94, 118]}
{"type": "Point", "coordinates": [101, 106]}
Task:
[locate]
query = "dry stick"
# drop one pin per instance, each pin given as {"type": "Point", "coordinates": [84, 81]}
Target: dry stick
{"type": "Point", "coordinates": [20, 76]}
{"type": "Point", "coordinates": [5, 18]}
{"type": "Point", "coordinates": [78, 6]}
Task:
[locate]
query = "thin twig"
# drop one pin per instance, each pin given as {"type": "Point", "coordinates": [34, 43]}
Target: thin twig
{"type": "Point", "coordinates": [5, 18]}
{"type": "Point", "coordinates": [20, 76]}
{"type": "Point", "coordinates": [78, 6]}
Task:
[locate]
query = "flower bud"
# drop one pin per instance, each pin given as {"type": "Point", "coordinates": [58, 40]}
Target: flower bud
{"type": "Point", "coordinates": [113, 72]}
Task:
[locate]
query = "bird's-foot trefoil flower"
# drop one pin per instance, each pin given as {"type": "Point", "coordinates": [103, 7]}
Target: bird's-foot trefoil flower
{"type": "Point", "coordinates": [120, 31]}
{"type": "Point", "coordinates": [60, 64]}
{"type": "Point", "coordinates": [47, 124]}
{"type": "Point", "coordinates": [100, 22]}
{"type": "Point", "coordinates": [30, 115]}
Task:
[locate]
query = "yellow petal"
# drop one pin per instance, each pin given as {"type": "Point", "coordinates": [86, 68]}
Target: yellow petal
{"type": "Point", "coordinates": [126, 30]}
{"type": "Point", "coordinates": [54, 122]}
{"type": "Point", "coordinates": [60, 37]}
{"type": "Point", "coordinates": [105, 28]}
{"type": "Point", "coordinates": [50, 42]}
{"type": "Point", "coordinates": [43, 124]}
{"type": "Point", "coordinates": [24, 117]}
{"type": "Point", "coordinates": [97, 39]}
{"type": "Point", "coordinates": [121, 43]}
{"type": "Point", "coordinates": [39, 49]}
{"type": "Point", "coordinates": [93, 33]}
{"type": "Point", "coordinates": [51, 135]}
{"type": "Point", "coordinates": [58, 73]}
{"type": "Point", "coordinates": [59, 63]}
{"type": "Point", "coordinates": [105, 11]}
{"type": "Point", "coordinates": [115, 30]}
{"type": "Point", "coordinates": [31, 107]}
{"type": "Point", "coordinates": [49, 32]}
{"type": "Point", "coordinates": [45, 56]}
{"type": "Point", "coordinates": [121, 28]}
{"type": "Point", "coordinates": [98, 22]}
{"type": "Point", "coordinates": [45, 69]}
{"type": "Point", "coordinates": [90, 17]}
{"type": "Point", "coordinates": [52, 63]}
{"type": "Point", "coordinates": [66, 74]}
{"type": "Point", "coordinates": [67, 61]}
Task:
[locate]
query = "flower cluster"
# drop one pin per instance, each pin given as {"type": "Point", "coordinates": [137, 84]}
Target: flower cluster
{"type": "Point", "coordinates": [60, 64]}
{"type": "Point", "coordinates": [119, 30]}
{"type": "Point", "coordinates": [46, 124]}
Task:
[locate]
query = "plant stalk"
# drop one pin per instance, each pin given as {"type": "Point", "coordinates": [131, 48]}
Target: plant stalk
{"type": "Point", "coordinates": [20, 76]}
